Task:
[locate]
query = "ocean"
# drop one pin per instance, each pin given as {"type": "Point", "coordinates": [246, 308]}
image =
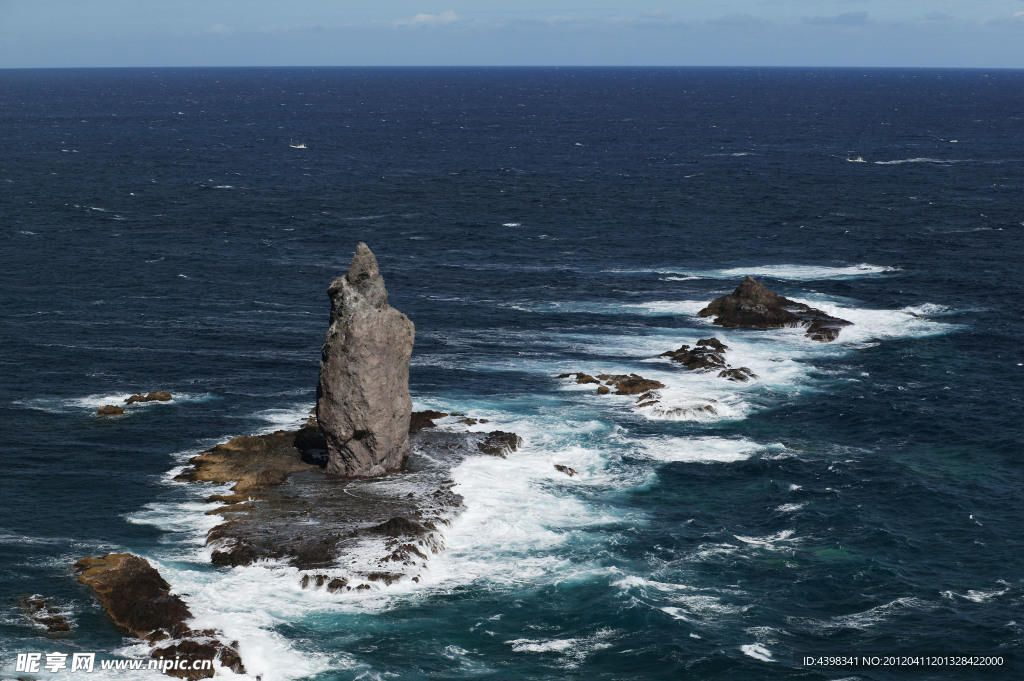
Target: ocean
{"type": "Point", "coordinates": [164, 229]}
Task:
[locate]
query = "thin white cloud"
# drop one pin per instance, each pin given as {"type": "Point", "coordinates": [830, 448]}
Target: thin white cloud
{"type": "Point", "coordinates": [297, 28]}
{"type": "Point", "coordinates": [221, 29]}
{"type": "Point", "coordinates": [847, 19]}
{"type": "Point", "coordinates": [739, 20]}
{"type": "Point", "coordinates": [443, 19]}
{"type": "Point", "coordinates": [1016, 21]}
{"type": "Point", "coordinates": [653, 19]}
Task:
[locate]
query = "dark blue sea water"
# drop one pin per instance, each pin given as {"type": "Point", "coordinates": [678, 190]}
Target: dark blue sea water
{"type": "Point", "coordinates": [863, 497]}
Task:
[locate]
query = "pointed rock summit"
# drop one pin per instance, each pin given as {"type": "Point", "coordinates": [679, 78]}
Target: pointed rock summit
{"type": "Point", "coordinates": [363, 405]}
{"type": "Point", "coordinates": [754, 305]}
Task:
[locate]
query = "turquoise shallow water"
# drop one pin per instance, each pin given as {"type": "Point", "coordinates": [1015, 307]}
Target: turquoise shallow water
{"type": "Point", "coordinates": [860, 497]}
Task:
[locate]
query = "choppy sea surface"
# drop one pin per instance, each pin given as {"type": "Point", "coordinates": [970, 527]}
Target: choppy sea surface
{"type": "Point", "coordinates": [159, 229]}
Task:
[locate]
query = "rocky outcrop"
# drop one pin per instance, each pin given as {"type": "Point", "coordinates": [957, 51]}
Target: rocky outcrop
{"type": "Point", "coordinates": [709, 355]}
{"type": "Point", "coordinates": [154, 396]}
{"type": "Point", "coordinates": [754, 306]}
{"type": "Point", "coordinates": [140, 602]}
{"type": "Point", "coordinates": [135, 596]}
{"type": "Point", "coordinates": [631, 384]}
{"type": "Point", "coordinates": [500, 443]}
{"type": "Point", "coordinates": [110, 410]}
{"type": "Point", "coordinates": [425, 419]}
{"type": "Point", "coordinates": [624, 384]}
{"type": "Point", "coordinates": [742, 374]}
{"type": "Point", "coordinates": [44, 614]}
{"type": "Point", "coordinates": [256, 462]}
{"type": "Point", "coordinates": [363, 403]}
{"type": "Point", "coordinates": [580, 377]}
{"type": "Point", "coordinates": [280, 485]}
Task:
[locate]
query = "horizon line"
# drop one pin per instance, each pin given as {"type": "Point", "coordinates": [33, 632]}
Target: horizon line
{"type": "Point", "coordinates": [519, 66]}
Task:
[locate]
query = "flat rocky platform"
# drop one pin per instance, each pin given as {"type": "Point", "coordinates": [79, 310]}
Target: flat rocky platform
{"type": "Point", "coordinates": [345, 533]}
{"type": "Point", "coordinates": [283, 506]}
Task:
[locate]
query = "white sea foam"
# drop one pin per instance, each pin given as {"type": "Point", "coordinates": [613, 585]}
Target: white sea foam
{"type": "Point", "coordinates": [777, 358]}
{"type": "Point", "coordinates": [780, 541]}
{"type": "Point", "coordinates": [870, 617]}
{"type": "Point", "coordinates": [758, 652]}
{"type": "Point", "coordinates": [927, 310]}
{"type": "Point", "coordinates": [528, 645]}
{"type": "Point", "coordinates": [791, 272]}
{"type": "Point", "coordinates": [573, 651]}
{"type": "Point", "coordinates": [186, 522]}
{"type": "Point", "coordinates": [702, 449]}
{"type": "Point", "coordinates": [901, 161]}
{"type": "Point", "coordinates": [781, 359]}
{"type": "Point", "coordinates": [700, 609]}
{"type": "Point", "coordinates": [90, 403]}
{"type": "Point", "coordinates": [284, 418]}
{"type": "Point", "coordinates": [654, 308]}
{"type": "Point", "coordinates": [28, 540]}
{"type": "Point", "coordinates": [808, 272]}
{"type": "Point", "coordinates": [713, 552]}
{"type": "Point", "coordinates": [976, 595]}
{"type": "Point", "coordinates": [494, 540]}
{"type": "Point", "coordinates": [246, 604]}
{"type": "Point", "coordinates": [870, 324]}
{"type": "Point", "coordinates": [699, 606]}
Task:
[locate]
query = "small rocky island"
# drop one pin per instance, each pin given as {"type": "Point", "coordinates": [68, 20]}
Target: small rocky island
{"type": "Point", "coordinates": [343, 484]}
{"type": "Point", "coordinates": [709, 355]}
{"type": "Point", "coordinates": [754, 306]}
{"type": "Point", "coordinates": [152, 396]}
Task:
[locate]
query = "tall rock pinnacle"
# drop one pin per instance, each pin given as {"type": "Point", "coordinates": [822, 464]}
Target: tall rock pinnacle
{"type": "Point", "coordinates": [362, 401]}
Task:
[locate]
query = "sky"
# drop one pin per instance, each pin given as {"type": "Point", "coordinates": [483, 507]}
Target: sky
{"type": "Point", "coordinates": [867, 33]}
